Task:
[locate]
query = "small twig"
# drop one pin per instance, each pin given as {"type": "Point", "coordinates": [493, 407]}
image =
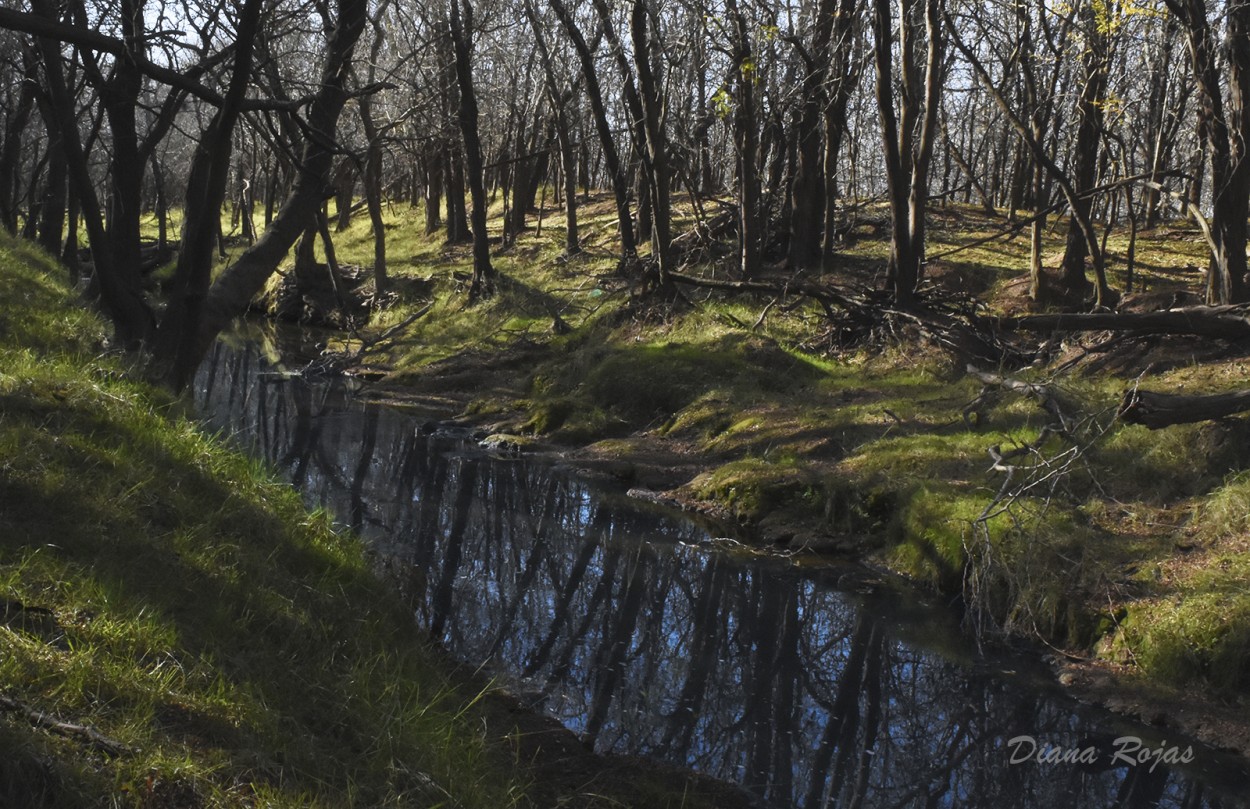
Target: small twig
{"type": "Point", "coordinates": [760, 320]}
{"type": "Point", "coordinates": [68, 729]}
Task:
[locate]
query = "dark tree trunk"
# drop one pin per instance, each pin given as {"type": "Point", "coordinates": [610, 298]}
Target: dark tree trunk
{"type": "Point", "coordinates": [433, 194]}
{"type": "Point", "coordinates": [10, 153]}
{"type": "Point", "coordinates": [120, 97]}
{"type": "Point", "coordinates": [373, 160]}
{"type": "Point", "coordinates": [52, 207]}
{"type": "Point", "coordinates": [344, 187]}
{"type": "Point", "coordinates": [483, 273]}
{"type": "Point", "coordinates": [844, 73]}
{"type": "Point", "coordinates": [119, 291]}
{"type": "Point", "coordinates": [457, 213]}
{"type": "Point", "coordinates": [657, 142]}
{"type": "Point", "coordinates": [907, 151]}
{"type": "Point", "coordinates": [1225, 131]}
{"type": "Point", "coordinates": [807, 216]}
{"type": "Point", "coordinates": [747, 146]}
{"type": "Point", "coordinates": [177, 352]}
{"type": "Point", "coordinates": [232, 292]}
{"type": "Point", "coordinates": [1086, 152]}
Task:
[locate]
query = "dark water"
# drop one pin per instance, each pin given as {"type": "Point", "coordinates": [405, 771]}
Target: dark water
{"type": "Point", "coordinates": [808, 687]}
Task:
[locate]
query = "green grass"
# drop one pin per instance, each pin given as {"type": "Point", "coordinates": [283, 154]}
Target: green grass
{"type": "Point", "coordinates": [183, 603]}
{"type": "Point", "coordinates": [201, 616]}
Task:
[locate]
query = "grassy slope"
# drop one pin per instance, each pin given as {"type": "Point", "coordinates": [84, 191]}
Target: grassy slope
{"type": "Point", "coordinates": [178, 600]}
{"type": "Point", "coordinates": [1141, 553]}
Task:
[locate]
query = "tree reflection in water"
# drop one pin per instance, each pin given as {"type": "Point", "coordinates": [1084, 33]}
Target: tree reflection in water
{"type": "Point", "coordinates": [613, 619]}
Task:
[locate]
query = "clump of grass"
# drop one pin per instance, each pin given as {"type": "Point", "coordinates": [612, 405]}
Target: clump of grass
{"type": "Point", "coordinates": [754, 487]}
{"type": "Point", "coordinates": [1197, 624]}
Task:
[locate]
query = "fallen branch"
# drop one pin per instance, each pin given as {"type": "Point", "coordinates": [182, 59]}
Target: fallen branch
{"type": "Point", "coordinates": [1157, 410]}
{"type": "Point", "coordinates": [337, 362]}
{"type": "Point", "coordinates": [1044, 394]}
{"type": "Point", "coordinates": [50, 723]}
{"type": "Point", "coordinates": [827, 296]}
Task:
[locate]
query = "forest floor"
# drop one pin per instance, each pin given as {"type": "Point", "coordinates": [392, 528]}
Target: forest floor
{"type": "Point", "coordinates": [1125, 551]}
{"type": "Point", "coordinates": [176, 630]}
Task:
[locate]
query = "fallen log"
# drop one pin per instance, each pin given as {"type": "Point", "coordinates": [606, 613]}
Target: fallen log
{"type": "Point", "coordinates": [1230, 322]}
{"type": "Point", "coordinates": [1157, 410]}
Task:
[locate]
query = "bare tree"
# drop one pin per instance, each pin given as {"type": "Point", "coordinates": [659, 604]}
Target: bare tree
{"type": "Point", "coordinates": [908, 131]}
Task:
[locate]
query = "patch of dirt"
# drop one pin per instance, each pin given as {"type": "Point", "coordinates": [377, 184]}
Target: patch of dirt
{"type": "Point", "coordinates": [1220, 724]}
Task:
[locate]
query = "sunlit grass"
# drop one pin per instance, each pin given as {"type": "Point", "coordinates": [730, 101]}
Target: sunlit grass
{"type": "Point", "coordinates": [197, 613]}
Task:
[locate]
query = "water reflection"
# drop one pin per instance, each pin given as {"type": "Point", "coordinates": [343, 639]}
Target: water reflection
{"type": "Point", "coordinates": [757, 673]}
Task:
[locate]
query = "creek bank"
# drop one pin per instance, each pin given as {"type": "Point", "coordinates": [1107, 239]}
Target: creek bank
{"type": "Point", "coordinates": [492, 395]}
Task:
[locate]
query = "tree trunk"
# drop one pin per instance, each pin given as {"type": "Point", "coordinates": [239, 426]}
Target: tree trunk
{"type": "Point", "coordinates": [483, 273]}
{"type": "Point", "coordinates": [373, 159]}
{"type": "Point", "coordinates": [119, 292]}
{"type": "Point", "coordinates": [1157, 410]}
{"type": "Point", "coordinates": [433, 194]}
{"type": "Point", "coordinates": [907, 153]}
{"type": "Point", "coordinates": [181, 338]}
{"type": "Point", "coordinates": [807, 213]}
{"type": "Point", "coordinates": [746, 142]}
{"type": "Point", "coordinates": [1225, 131]}
{"type": "Point", "coordinates": [344, 186]}
{"type": "Point", "coordinates": [457, 213]}
{"type": "Point", "coordinates": [611, 158]}
{"type": "Point", "coordinates": [52, 207]}
{"type": "Point", "coordinates": [560, 99]}
{"type": "Point", "coordinates": [1086, 151]}
{"type": "Point", "coordinates": [657, 142]}
{"type": "Point", "coordinates": [234, 289]}
{"type": "Point", "coordinates": [10, 154]}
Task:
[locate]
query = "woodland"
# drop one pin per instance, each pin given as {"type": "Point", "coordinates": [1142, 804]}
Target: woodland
{"type": "Point", "coordinates": [779, 122]}
{"type": "Point", "coordinates": [956, 288]}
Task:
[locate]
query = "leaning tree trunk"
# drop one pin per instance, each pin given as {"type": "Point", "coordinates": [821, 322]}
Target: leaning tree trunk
{"type": "Point", "coordinates": [611, 157]}
{"type": "Point", "coordinates": [232, 292]}
{"type": "Point", "coordinates": [175, 352]}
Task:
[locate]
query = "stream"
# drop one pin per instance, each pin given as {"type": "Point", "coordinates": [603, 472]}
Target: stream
{"type": "Point", "coordinates": [643, 632]}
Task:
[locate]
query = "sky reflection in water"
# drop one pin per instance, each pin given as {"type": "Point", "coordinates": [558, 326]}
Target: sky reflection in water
{"type": "Point", "coordinates": [610, 616]}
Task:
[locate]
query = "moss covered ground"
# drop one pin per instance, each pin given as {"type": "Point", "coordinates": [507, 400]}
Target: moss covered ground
{"type": "Point", "coordinates": [1134, 550]}
{"type": "Point", "coordinates": [176, 630]}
